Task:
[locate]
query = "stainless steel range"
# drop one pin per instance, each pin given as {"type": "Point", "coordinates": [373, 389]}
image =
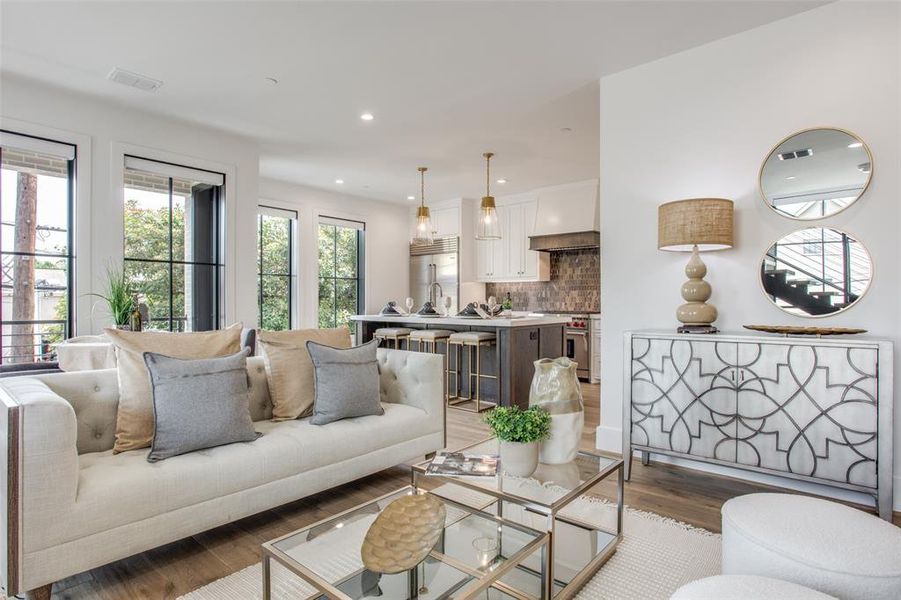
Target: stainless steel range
{"type": "Point", "coordinates": [578, 344]}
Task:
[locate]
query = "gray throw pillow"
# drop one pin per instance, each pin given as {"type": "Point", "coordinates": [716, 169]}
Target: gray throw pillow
{"type": "Point", "coordinates": [347, 382]}
{"type": "Point", "coordinates": [198, 403]}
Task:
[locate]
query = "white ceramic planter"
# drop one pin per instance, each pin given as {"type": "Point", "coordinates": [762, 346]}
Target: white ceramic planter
{"type": "Point", "coordinates": [519, 459]}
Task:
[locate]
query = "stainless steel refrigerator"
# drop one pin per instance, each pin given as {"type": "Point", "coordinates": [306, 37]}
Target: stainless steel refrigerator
{"type": "Point", "coordinates": [437, 263]}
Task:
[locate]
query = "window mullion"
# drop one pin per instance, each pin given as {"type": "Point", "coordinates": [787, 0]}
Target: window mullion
{"type": "Point", "coordinates": [171, 263]}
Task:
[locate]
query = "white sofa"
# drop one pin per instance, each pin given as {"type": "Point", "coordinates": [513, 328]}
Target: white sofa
{"type": "Point", "coordinates": [70, 505]}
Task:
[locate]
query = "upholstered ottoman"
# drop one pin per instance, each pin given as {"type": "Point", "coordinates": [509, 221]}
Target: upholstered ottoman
{"type": "Point", "coordinates": [746, 587]}
{"type": "Point", "coordinates": [823, 545]}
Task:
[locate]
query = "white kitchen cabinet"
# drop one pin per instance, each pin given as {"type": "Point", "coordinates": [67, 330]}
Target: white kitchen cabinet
{"type": "Point", "coordinates": [446, 221]}
{"type": "Point", "coordinates": [509, 258]}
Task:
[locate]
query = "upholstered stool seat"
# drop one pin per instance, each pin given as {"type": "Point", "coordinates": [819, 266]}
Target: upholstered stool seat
{"type": "Point", "coordinates": [472, 337]}
{"type": "Point", "coordinates": [823, 545]}
{"type": "Point", "coordinates": [745, 587]}
{"type": "Point", "coordinates": [430, 334]}
{"type": "Point", "coordinates": [395, 334]}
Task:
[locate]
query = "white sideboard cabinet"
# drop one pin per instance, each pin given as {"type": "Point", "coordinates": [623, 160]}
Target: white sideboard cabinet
{"type": "Point", "coordinates": [812, 409]}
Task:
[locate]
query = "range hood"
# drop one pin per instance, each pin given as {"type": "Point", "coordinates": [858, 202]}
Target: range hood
{"type": "Point", "coordinates": [567, 218]}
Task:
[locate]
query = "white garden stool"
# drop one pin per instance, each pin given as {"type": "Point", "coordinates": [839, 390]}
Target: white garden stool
{"type": "Point", "coordinates": [819, 544]}
{"type": "Point", "coordinates": [745, 587]}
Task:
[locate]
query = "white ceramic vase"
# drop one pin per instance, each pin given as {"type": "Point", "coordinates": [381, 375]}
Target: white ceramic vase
{"type": "Point", "coordinates": [519, 459]}
{"type": "Point", "coordinates": [555, 388]}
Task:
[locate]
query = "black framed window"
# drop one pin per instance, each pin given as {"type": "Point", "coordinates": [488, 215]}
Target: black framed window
{"type": "Point", "coordinates": [37, 199]}
{"type": "Point", "coordinates": [275, 268]}
{"type": "Point", "coordinates": [173, 242]}
{"type": "Point", "coordinates": [341, 277]}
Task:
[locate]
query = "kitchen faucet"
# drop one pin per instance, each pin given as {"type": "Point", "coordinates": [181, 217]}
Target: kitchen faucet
{"type": "Point", "coordinates": [432, 298]}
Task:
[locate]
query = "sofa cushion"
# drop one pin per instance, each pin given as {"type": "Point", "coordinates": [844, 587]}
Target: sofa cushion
{"type": "Point", "coordinates": [290, 370]}
{"type": "Point", "coordinates": [198, 404]}
{"type": "Point", "coordinates": [134, 419]}
{"type": "Point", "coordinates": [347, 382]}
{"type": "Point", "coordinates": [116, 489]}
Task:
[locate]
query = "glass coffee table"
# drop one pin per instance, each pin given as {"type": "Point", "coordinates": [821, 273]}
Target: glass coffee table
{"type": "Point", "coordinates": [477, 555]}
{"type": "Point", "coordinates": [584, 534]}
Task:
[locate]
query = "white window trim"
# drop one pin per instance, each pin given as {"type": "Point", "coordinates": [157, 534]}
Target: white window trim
{"type": "Point", "coordinates": [113, 251]}
{"type": "Point", "coordinates": [340, 218]}
{"type": "Point", "coordinates": [84, 261]}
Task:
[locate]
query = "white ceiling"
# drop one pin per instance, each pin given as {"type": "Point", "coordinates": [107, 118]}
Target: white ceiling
{"type": "Point", "coordinates": [445, 80]}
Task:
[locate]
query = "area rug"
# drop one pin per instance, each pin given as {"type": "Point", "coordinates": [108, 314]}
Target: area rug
{"type": "Point", "coordinates": [656, 556]}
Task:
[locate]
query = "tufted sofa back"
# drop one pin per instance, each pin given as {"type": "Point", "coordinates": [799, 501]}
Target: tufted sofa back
{"type": "Point", "coordinates": [94, 395]}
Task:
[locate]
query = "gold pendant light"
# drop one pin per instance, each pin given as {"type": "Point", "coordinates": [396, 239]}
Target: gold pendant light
{"type": "Point", "coordinates": [489, 227]}
{"type": "Point", "coordinates": [423, 234]}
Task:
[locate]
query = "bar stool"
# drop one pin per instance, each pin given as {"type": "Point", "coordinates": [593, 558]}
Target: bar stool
{"type": "Point", "coordinates": [395, 334]}
{"type": "Point", "coordinates": [430, 338]}
{"type": "Point", "coordinates": [474, 341]}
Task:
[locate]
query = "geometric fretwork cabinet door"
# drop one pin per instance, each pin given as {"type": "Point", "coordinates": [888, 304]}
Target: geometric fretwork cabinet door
{"type": "Point", "coordinates": [809, 410]}
{"type": "Point", "coordinates": [684, 397]}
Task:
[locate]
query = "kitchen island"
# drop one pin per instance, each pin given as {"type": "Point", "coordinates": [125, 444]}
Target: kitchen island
{"type": "Point", "coordinates": [521, 340]}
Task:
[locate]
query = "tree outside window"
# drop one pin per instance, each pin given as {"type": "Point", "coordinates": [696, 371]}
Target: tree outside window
{"type": "Point", "coordinates": [340, 277]}
{"type": "Point", "coordinates": [275, 268]}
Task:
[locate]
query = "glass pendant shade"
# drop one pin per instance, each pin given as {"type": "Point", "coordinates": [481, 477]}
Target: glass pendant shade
{"type": "Point", "coordinates": [423, 234]}
{"type": "Point", "coordinates": [489, 227]}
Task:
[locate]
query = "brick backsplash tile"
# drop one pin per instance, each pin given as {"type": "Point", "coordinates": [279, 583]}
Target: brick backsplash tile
{"type": "Point", "coordinates": [575, 285]}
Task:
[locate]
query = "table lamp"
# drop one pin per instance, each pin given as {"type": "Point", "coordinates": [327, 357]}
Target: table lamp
{"type": "Point", "coordinates": [696, 225]}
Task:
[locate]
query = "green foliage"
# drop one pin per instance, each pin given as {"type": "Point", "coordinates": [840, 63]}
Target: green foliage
{"type": "Point", "coordinates": [147, 236]}
{"type": "Point", "coordinates": [274, 263]}
{"type": "Point", "coordinates": [118, 297]}
{"type": "Point", "coordinates": [513, 424]}
{"type": "Point", "coordinates": [338, 283]}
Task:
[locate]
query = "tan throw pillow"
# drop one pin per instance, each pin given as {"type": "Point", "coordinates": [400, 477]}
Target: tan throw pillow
{"type": "Point", "coordinates": [134, 421]}
{"type": "Point", "coordinates": [289, 368]}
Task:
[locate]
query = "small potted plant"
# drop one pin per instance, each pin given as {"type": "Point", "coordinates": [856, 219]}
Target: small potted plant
{"type": "Point", "coordinates": [119, 299]}
{"type": "Point", "coordinates": [519, 432]}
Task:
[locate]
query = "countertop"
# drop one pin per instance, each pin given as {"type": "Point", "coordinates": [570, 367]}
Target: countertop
{"type": "Point", "coordinates": [518, 320]}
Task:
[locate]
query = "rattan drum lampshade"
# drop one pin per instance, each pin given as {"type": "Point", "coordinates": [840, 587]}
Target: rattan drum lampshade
{"type": "Point", "coordinates": [695, 225]}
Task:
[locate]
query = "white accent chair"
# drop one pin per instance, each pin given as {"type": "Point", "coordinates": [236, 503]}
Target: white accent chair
{"type": "Point", "coordinates": [70, 504]}
{"type": "Point", "coordinates": [823, 545]}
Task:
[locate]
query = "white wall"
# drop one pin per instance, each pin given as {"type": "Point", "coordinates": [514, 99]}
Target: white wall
{"type": "Point", "coordinates": [103, 131]}
{"type": "Point", "coordinates": [387, 242]}
{"type": "Point", "coordinates": [700, 123]}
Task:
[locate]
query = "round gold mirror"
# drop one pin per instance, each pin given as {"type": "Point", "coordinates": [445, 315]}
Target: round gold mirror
{"type": "Point", "coordinates": [816, 173]}
{"type": "Point", "coordinates": [816, 272]}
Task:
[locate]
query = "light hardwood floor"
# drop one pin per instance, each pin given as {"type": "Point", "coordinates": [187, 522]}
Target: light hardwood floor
{"type": "Point", "coordinates": [182, 566]}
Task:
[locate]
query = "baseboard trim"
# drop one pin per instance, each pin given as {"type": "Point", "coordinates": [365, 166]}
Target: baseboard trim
{"type": "Point", "coordinates": [609, 439]}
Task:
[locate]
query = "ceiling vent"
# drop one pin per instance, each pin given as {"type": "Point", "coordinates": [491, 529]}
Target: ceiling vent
{"type": "Point", "coordinates": [796, 154]}
{"type": "Point", "coordinates": [135, 80]}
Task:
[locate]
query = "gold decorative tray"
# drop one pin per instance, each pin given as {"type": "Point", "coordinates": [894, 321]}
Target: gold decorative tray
{"type": "Point", "coordinates": [798, 330]}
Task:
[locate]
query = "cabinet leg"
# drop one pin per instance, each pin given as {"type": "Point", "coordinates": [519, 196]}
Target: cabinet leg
{"type": "Point", "coordinates": [645, 458]}
{"type": "Point", "coordinates": [884, 502]}
{"type": "Point", "coordinates": [41, 593]}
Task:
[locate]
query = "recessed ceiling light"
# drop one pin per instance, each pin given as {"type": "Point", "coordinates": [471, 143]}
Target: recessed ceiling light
{"type": "Point", "coordinates": [502, 181]}
{"type": "Point", "coordinates": [411, 197]}
{"type": "Point", "coordinates": [367, 116]}
{"type": "Point", "coordinates": [791, 177]}
{"type": "Point", "coordinates": [855, 144]}
{"type": "Point", "coordinates": [566, 129]}
{"type": "Point", "coordinates": [339, 181]}
{"type": "Point", "coordinates": [271, 80]}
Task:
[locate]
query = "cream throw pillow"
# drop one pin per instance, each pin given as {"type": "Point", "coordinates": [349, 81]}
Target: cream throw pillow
{"type": "Point", "coordinates": [134, 421]}
{"type": "Point", "coordinates": [289, 369]}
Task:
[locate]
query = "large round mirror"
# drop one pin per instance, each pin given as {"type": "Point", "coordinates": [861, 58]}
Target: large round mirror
{"type": "Point", "coordinates": [816, 173]}
{"type": "Point", "coordinates": [816, 272]}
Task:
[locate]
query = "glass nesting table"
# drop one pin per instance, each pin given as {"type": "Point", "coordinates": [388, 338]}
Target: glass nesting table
{"type": "Point", "coordinates": [584, 531]}
{"type": "Point", "coordinates": [478, 555]}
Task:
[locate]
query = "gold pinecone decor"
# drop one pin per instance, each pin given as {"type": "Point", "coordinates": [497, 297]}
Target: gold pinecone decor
{"type": "Point", "coordinates": [403, 535]}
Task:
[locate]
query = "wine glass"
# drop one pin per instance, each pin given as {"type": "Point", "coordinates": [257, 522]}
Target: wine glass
{"type": "Point", "coordinates": [410, 303]}
{"type": "Point", "coordinates": [448, 301]}
{"type": "Point", "coordinates": [492, 304]}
